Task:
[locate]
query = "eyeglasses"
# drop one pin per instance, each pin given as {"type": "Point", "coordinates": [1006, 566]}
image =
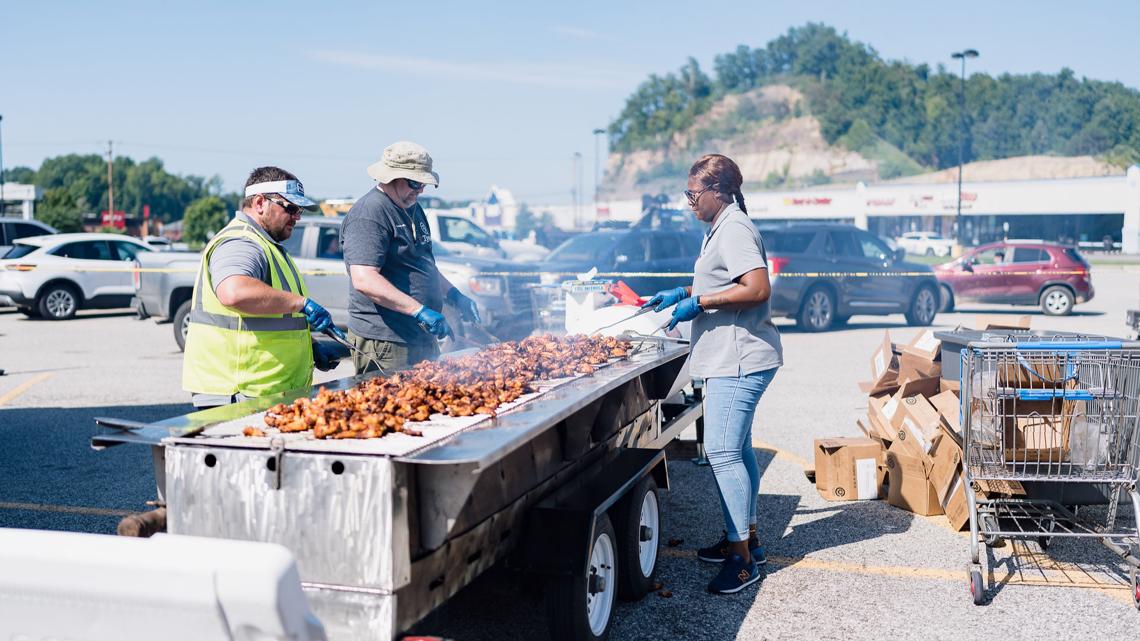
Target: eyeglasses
{"type": "Point", "coordinates": [694, 195]}
{"type": "Point", "coordinates": [415, 185]}
{"type": "Point", "coordinates": [289, 208]}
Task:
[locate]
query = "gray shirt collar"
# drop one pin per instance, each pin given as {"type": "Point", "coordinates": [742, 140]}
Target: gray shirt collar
{"type": "Point", "coordinates": [245, 218]}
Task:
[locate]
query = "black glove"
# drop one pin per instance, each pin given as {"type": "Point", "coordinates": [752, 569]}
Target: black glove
{"type": "Point", "coordinates": [468, 310]}
{"type": "Point", "coordinates": [324, 358]}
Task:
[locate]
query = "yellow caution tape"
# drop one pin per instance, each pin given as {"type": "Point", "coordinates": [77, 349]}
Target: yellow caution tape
{"type": "Point", "coordinates": [325, 272]}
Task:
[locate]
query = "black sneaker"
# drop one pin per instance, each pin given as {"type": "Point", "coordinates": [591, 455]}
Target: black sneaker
{"type": "Point", "coordinates": [719, 551]}
{"type": "Point", "coordinates": [734, 576]}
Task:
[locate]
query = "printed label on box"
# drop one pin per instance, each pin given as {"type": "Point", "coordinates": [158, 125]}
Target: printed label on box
{"type": "Point", "coordinates": [917, 434]}
{"type": "Point", "coordinates": [880, 365]}
{"type": "Point", "coordinates": [867, 478]}
{"type": "Point", "coordinates": [928, 342]}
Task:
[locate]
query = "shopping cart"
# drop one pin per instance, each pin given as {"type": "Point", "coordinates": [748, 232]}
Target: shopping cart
{"type": "Point", "coordinates": [1051, 412]}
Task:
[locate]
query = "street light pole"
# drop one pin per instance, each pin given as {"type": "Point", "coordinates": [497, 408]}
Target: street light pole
{"type": "Point", "coordinates": [962, 55]}
{"type": "Point", "coordinates": [597, 163]}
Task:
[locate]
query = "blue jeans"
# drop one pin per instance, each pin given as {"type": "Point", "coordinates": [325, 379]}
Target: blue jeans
{"type": "Point", "coordinates": [730, 405]}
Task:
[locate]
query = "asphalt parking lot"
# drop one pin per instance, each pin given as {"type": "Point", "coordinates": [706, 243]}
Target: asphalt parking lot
{"type": "Point", "coordinates": [837, 571]}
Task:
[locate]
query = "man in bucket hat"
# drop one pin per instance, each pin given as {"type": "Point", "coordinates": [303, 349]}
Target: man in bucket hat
{"type": "Point", "coordinates": [396, 300]}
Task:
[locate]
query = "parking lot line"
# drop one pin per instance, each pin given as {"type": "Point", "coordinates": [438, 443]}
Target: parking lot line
{"type": "Point", "coordinates": [1117, 591]}
{"type": "Point", "coordinates": [25, 386]}
{"type": "Point", "coordinates": [65, 509]}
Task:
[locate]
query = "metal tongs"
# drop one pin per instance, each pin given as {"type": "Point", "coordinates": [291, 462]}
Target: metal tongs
{"type": "Point", "coordinates": [334, 333]}
{"type": "Point", "coordinates": [643, 310]}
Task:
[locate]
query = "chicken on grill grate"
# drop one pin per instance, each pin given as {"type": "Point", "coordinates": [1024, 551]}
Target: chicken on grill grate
{"type": "Point", "coordinates": [475, 384]}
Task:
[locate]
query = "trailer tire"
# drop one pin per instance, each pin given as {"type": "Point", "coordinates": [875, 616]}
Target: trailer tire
{"type": "Point", "coordinates": [182, 324]}
{"type": "Point", "coordinates": [639, 517]}
{"type": "Point", "coordinates": [581, 606]}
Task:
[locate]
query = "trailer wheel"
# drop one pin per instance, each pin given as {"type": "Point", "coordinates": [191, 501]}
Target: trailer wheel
{"type": "Point", "coordinates": [639, 517]}
{"type": "Point", "coordinates": [581, 606]}
{"type": "Point", "coordinates": [1133, 574]}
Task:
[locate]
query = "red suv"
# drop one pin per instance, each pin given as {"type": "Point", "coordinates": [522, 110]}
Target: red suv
{"type": "Point", "coordinates": [1026, 272]}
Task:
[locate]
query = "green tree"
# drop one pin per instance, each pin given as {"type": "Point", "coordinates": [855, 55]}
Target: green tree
{"type": "Point", "coordinates": [20, 175]}
{"type": "Point", "coordinates": [204, 218]}
{"type": "Point", "coordinates": [525, 221]}
{"type": "Point", "coordinates": [60, 210]}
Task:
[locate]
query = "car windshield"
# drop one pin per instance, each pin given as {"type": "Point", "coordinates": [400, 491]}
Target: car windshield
{"type": "Point", "coordinates": [19, 251]}
{"type": "Point", "coordinates": [458, 230]}
{"type": "Point", "coordinates": [584, 248]}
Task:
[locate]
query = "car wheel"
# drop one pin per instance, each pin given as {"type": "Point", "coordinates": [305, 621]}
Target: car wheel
{"type": "Point", "coordinates": [1057, 301]}
{"type": "Point", "coordinates": [947, 302]}
{"type": "Point", "coordinates": [58, 302]}
{"type": "Point", "coordinates": [818, 310]}
{"type": "Point", "coordinates": [923, 308]}
{"type": "Point", "coordinates": [182, 324]}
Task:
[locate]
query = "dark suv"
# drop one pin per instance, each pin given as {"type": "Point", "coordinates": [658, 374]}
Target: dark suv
{"type": "Point", "coordinates": [1028, 272]}
{"type": "Point", "coordinates": [824, 273]}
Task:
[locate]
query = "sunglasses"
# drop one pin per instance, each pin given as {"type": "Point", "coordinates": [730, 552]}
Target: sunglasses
{"type": "Point", "coordinates": [694, 195]}
{"type": "Point", "coordinates": [415, 185]}
{"type": "Point", "coordinates": [289, 208]}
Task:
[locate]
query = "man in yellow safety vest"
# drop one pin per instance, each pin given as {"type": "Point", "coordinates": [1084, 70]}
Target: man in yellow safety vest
{"type": "Point", "coordinates": [250, 319]}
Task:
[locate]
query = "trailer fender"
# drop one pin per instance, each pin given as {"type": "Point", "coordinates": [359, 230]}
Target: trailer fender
{"type": "Point", "coordinates": [559, 528]}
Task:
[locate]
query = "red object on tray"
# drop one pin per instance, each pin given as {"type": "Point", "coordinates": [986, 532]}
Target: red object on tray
{"type": "Point", "coordinates": [625, 295]}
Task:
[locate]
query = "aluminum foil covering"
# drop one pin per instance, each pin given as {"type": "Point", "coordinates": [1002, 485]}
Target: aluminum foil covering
{"type": "Point", "coordinates": [347, 528]}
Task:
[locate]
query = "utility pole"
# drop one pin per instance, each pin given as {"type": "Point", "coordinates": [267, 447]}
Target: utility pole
{"type": "Point", "coordinates": [110, 184]}
{"type": "Point", "coordinates": [962, 55]}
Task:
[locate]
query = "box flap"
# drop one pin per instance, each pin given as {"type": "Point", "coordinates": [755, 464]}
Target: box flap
{"type": "Point", "coordinates": [924, 345]}
{"type": "Point", "coordinates": [1001, 321]}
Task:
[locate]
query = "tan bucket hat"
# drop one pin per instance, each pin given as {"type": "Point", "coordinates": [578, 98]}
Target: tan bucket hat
{"type": "Point", "coordinates": [404, 160]}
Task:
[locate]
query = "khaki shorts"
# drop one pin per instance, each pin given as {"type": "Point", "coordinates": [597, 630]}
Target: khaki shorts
{"type": "Point", "coordinates": [389, 355]}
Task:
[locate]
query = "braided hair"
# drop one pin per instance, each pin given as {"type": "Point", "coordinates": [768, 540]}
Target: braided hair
{"type": "Point", "coordinates": [721, 171]}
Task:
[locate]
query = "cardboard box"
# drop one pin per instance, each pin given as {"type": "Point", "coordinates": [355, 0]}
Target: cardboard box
{"type": "Point", "coordinates": [950, 409]}
{"type": "Point", "coordinates": [917, 385]}
{"type": "Point", "coordinates": [909, 485]}
{"type": "Point", "coordinates": [956, 504]}
{"type": "Point", "coordinates": [1035, 371]}
{"type": "Point", "coordinates": [915, 367]}
{"type": "Point", "coordinates": [999, 488]}
{"type": "Point", "coordinates": [1036, 439]}
{"type": "Point", "coordinates": [879, 421]}
{"type": "Point", "coordinates": [946, 463]}
{"type": "Point", "coordinates": [1001, 322]}
{"type": "Point", "coordinates": [916, 423]}
{"type": "Point", "coordinates": [884, 369]}
{"type": "Point", "coordinates": [924, 346]}
{"type": "Point", "coordinates": [952, 384]}
{"type": "Point", "coordinates": [847, 468]}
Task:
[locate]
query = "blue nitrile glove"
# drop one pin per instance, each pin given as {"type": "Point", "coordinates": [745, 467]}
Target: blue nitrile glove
{"type": "Point", "coordinates": [468, 310]}
{"type": "Point", "coordinates": [666, 298]}
{"type": "Point", "coordinates": [686, 310]}
{"type": "Point", "coordinates": [318, 317]}
{"type": "Point", "coordinates": [433, 322]}
{"type": "Point", "coordinates": [324, 358]}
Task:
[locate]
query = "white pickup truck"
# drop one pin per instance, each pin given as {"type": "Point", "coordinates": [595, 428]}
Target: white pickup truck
{"type": "Point", "coordinates": [166, 281]}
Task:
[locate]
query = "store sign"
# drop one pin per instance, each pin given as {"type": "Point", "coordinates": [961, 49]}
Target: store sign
{"type": "Point", "coordinates": [116, 219]}
{"type": "Point", "coordinates": [807, 201]}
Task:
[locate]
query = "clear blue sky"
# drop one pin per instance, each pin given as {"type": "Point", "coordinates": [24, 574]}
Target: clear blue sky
{"type": "Point", "coordinates": [501, 92]}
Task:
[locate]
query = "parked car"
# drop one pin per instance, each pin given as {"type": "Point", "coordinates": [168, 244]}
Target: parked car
{"type": "Point", "coordinates": [832, 272]}
{"type": "Point", "coordinates": [55, 276]}
{"type": "Point", "coordinates": [1050, 275]}
{"type": "Point", "coordinates": [504, 301]}
{"type": "Point", "coordinates": [636, 251]}
{"type": "Point", "coordinates": [925, 243]}
{"type": "Point", "coordinates": [13, 229]}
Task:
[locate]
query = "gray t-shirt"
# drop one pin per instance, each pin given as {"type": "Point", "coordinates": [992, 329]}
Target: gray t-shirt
{"type": "Point", "coordinates": [241, 257]}
{"type": "Point", "coordinates": [732, 342]}
{"type": "Point", "coordinates": [378, 233]}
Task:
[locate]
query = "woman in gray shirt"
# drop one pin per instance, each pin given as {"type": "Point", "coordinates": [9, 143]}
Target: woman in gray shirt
{"type": "Point", "coordinates": [736, 349]}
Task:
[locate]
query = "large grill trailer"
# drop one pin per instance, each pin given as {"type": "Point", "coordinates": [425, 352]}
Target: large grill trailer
{"type": "Point", "coordinates": [563, 484]}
